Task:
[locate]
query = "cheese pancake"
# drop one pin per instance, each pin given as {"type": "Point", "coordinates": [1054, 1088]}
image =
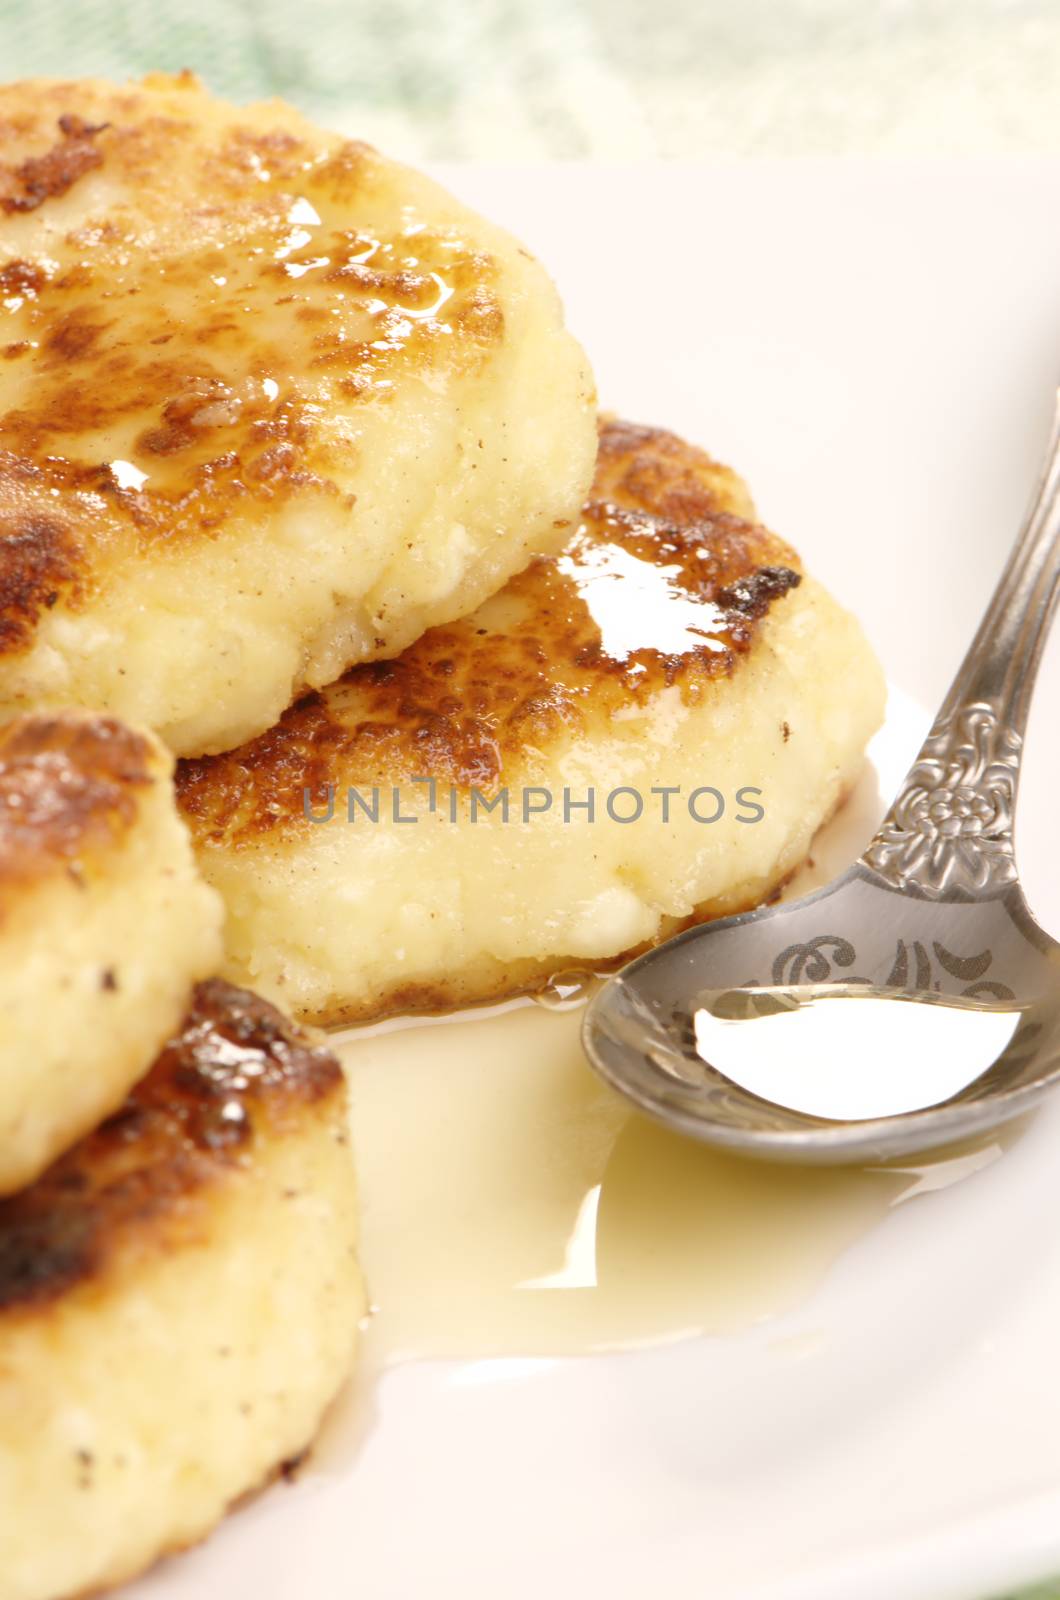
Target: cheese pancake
{"type": "Point", "coordinates": [179, 1300]}
{"type": "Point", "coordinates": [674, 645]}
{"type": "Point", "coordinates": [105, 927]}
{"type": "Point", "coordinates": [270, 404]}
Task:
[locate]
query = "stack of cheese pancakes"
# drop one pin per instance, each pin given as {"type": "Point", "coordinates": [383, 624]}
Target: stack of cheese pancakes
{"type": "Point", "coordinates": [349, 664]}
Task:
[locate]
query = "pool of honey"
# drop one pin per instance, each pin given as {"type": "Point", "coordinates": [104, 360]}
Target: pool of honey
{"type": "Point", "coordinates": [514, 1205]}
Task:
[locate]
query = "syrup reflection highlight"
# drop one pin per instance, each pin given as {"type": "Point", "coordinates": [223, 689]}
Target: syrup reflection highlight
{"type": "Point", "coordinates": [849, 1051]}
{"type": "Point", "coordinates": [513, 1205]}
{"type": "Point", "coordinates": [640, 605]}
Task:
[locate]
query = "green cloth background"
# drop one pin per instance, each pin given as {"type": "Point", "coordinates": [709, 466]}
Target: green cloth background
{"type": "Point", "coordinates": [618, 79]}
{"type": "Point", "coordinates": [559, 78]}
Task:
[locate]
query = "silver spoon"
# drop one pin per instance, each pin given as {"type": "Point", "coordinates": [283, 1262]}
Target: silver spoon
{"type": "Point", "coordinates": [914, 1001]}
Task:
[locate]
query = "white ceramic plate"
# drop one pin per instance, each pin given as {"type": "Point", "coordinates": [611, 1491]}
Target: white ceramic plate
{"type": "Point", "coordinates": [873, 345]}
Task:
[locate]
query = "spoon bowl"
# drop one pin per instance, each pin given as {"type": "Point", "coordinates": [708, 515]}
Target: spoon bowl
{"type": "Point", "coordinates": [858, 943]}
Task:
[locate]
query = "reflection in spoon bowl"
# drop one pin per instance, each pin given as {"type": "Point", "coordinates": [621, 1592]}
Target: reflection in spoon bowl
{"type": "Point", "coordinates": [850, 1052]}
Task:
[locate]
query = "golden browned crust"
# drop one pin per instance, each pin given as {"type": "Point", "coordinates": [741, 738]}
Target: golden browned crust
{"type": "Point", "coordinates": [69, 787]}
{"type": "Point", "coordinates": [39, 561]}
{"type": "Point", "coordinates": [197, 323]}
{"type": "Point", "coordinates": [648, 469]}
{"type": "Point", "coordinates": [238, 1071]}
{"type": "Point", "coordinates": [26, 186]}
{"type": "Point", "coordinates": [467, 701]}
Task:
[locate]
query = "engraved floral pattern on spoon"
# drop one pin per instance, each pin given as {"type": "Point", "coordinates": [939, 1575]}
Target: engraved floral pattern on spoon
{"type": "Point", "coordinates": [829, 957]}
{"type": "Point", "coordinates": [951, 826]}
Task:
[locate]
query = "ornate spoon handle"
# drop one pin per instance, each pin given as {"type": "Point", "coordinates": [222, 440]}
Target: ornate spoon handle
{"type": "Point", "coordinates": [948, 834]}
